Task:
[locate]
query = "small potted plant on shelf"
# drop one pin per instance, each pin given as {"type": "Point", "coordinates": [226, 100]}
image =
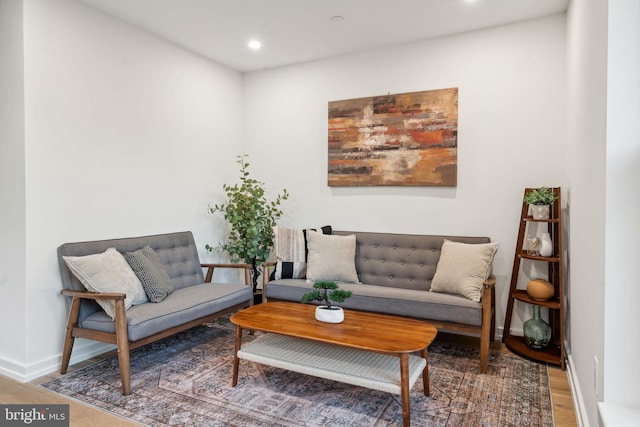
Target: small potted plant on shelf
{"type": "Point", "coordinates": [540, 200]}
{"type": "Point", "coordinates": [325, 292]}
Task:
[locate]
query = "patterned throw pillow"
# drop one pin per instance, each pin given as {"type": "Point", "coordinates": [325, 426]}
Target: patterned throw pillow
{"type": "Point", "coordinates": [290, 248]}
{"type": "Point", "coordinates": [289, 270]}
{"type": "Point", "coordinates": [146, 264]}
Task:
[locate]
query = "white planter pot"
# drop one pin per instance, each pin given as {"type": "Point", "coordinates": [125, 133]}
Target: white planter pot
{"type": "Point", "coordinates": [540, 211]}
{"type": "Point", "coordinates": [335, 315]}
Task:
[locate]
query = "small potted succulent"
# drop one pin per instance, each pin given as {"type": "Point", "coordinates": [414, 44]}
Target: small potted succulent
{"type": "Point", "coordinates": [540, 200]}
{"type": "Point", "coordinates": [325, 292]}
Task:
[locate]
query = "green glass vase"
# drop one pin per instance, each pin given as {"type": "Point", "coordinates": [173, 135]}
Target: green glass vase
{"type": "Point", "coordinates": [537, 332]}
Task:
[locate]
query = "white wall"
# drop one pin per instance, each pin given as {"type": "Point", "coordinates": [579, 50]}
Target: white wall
{"type": "Point", "coordinates": [622, 292]}
{"type": "Point", "coordinates": [604, 159]}
{"type": "Point", "coordinates": [511, 125]}
{"type": "Point", "coordinates": [125, 135]}
{"type": "Point", "coordinates": [12, 185]}
{"type": "Point", "coordinates": [586, 124]}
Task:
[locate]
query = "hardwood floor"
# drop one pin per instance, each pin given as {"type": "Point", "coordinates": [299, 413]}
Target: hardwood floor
{"type": "Point", "coordinates": [80, 414]}
{"type": "Point", "coordinates": [13, 392]}
{"type": "Point", "coordinates": [563, 410]}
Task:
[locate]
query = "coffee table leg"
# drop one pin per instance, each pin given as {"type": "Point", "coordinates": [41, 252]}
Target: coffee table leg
{"type": "Point", "coordinates": [236, 361]}
{"type": "Point", "coordinates": [425, 372]}
{"type": "Point", "coordinates": [404, 389]}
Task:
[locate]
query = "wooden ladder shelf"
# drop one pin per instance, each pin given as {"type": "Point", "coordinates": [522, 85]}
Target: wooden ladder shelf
{"type": "Point", "coordinates": [554, 353]}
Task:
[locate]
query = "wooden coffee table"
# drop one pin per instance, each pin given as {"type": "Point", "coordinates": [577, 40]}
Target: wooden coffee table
{"type": "Point", "coordinates": [363, 350]}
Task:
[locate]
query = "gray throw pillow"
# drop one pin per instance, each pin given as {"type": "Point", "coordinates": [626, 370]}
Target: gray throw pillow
{"type": "Point", "coordinates": [146, 264]}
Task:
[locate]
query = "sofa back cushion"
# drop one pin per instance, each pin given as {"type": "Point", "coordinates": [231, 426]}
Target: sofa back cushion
{"type": "Point", "coordinates": [406, 261]}
{"type": "Point", "coordinates": [177, 252]}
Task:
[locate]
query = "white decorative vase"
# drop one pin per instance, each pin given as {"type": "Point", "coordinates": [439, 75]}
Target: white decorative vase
{"type": "Point", "coordinates": [546, 245]}
{"type": "Point", "coordinates": [540, 211]}
{"type": "Point", "coordinates": [333, 315]}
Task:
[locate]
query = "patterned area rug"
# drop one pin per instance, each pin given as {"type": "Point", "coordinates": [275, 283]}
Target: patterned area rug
{"type": "Point", "coordinates": [185, 380]}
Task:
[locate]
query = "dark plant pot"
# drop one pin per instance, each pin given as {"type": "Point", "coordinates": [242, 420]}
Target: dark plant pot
{"type": "Point", "coordinates": [257, 297]}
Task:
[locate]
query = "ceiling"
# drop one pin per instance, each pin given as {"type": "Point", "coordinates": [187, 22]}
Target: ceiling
{"type": "Point", "coordinates": [293, 31]}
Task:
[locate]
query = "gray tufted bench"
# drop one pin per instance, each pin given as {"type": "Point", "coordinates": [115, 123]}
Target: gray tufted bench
{"type": "Point", "coordinates": [396, 272]}
{"type": "Point", "coordinates": [195, 300]}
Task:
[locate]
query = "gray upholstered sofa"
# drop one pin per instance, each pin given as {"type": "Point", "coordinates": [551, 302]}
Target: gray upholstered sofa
{"type": "Point", "coordinates": [194, 300]}
{"type": "Point", "coordinates": [396, 271]}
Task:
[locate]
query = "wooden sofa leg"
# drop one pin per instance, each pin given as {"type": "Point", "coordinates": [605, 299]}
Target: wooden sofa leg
{"type": "Point", "coordinates": [486, 333]}
{"type": "Point", "coordinates": [484, 353]}
{"type": "Point", "coordinates": [122, 340]}
{"type": "Point", "coordinates": [492, 334]}
{"type": "Point", "coordinates": [69, 338]}
{"type": "Point", "coordinates": [493, 316]}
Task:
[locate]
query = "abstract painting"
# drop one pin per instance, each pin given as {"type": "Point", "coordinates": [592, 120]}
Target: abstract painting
{"type": "Point", "coordinates": [394, 140]}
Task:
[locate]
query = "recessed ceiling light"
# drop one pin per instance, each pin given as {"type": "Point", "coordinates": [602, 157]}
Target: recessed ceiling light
{"type": "Point", "coordinates": [255, 45]}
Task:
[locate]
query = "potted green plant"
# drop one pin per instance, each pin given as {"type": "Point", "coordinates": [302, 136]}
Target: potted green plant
{"type": "Point", "coordinates": [540, 200]}
{"type": "Point", "coordinates": [325, 292]}
{"type": "Point", "coordinates": [252, 218]}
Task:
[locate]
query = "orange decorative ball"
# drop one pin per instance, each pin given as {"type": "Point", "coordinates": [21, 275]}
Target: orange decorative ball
{"type": "Point", "coordinates": [540, 290]}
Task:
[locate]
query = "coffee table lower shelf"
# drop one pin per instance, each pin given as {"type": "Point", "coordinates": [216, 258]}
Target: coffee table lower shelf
{"type": "Point", "coordinates": [333, 362]}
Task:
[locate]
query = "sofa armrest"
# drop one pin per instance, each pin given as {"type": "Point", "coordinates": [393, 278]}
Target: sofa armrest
{"type": "Point", "coordinates": [490, 282]}
{"type": "Point", "coordinates": [211, 267]}
{"type": "Point", "coordinates": [488, 293]}
{"type": "Point", "coordinates": [94, 295]}
{"type": "Point", "coordinates": [266, 268]}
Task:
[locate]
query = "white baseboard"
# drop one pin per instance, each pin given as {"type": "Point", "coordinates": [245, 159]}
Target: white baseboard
{"type": "Point", "coordinates": [578, 403]}
{"type": "Point", "coordinates": [28, 372]}
{"type": "Point", "coordinates": [514, 331]}
{"type": "Point", "coordinates": [12, 369]}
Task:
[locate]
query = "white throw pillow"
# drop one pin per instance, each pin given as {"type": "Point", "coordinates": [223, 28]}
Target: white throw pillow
{"type": "Point", "coordinates": [107, 272]}
{"type": "Point", "coordinates": [463, 268]}
{"type": "Point", "coordinates": [331, 257]}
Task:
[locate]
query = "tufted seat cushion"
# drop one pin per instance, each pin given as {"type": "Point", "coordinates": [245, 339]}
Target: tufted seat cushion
{"type": "Point", "coordinates": [385, 299]}
{"type": "Point", "coordinates": [181, 306]}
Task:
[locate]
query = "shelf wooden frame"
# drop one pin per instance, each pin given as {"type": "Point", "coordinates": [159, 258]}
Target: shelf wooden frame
{"type": "Point", "coordinates": [555, 352]}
